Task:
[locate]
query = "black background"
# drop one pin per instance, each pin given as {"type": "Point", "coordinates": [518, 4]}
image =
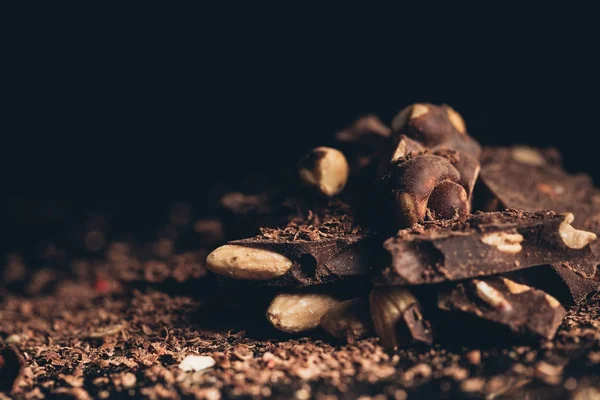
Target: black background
{"type": "Point", "coordinates": [148, 113]}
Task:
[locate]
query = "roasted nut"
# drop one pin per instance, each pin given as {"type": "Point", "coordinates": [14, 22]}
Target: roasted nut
{"type": "Point", "coordinates": [552, 301]}
{"type": "Point", "coordinates": [514, 287]}
{"type": "Point", "coordinates": [242, 262]}
{"type": "Point", "coordinates": [299, 312]}
{"type": "Point", "coordinates": [448, 200]}
{"type": "Point", "coordinates": [528, 156]}
{"type": "Point", "coordinates": [397, 317]}
{"type": "Point", "coordinates": [411, 184]}
{"type": "Point", "coordinates": [435, 127]}
{"type": "Point", "coordinates": [348, 320]}
{"type": "Point", "coordinates": [491, 296]}
{"type": "Point", "coordinates": [574, 238]}
{"type": "Point", "coordinates": [403, 147]}
{"type": "Point", "coordinates": [325, 169]}
{"type": "Point", "coordinates": [504, 241]}
{"type": "Point", "coordinates": [456, 119]}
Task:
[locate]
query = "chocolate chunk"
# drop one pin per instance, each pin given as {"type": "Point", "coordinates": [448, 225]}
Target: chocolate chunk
{"type": "Point", "coordinates": [319, 261]}
{"type": "Point", "coordinates": [520, 308]}
{"type": "Point", "coordinates": [559, 281]}
{"type": "Point", "coordinates": [485, 244]}
{"type": "Point", "coordinates": [533, 179]}
{"type": "Point", "coordinates": [320, 248]}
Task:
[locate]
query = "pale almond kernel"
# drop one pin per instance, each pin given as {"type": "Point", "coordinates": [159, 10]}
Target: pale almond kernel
{"type": "Point", "coordinates": [574, 238]}
{"type": "Point", "coordinates": [492, 296]}
{"type": "Point", "coordinates": [504, 241]}
{"type": "Point", "coordinates": [299, 312]}
{"type": "Point", "coordinates": [528, 156]}
{"type": "Point", "coordinates": [419, 110]}
{"type": "Point", "coordinates": [514, 287]}
{"type": "Point", "coordinates": [456, 120]}
{"type": "Point", "coordinates": [242, 262]}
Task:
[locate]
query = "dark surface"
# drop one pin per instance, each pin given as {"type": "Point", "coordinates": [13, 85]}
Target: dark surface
{"type": "Point", "coordinates": [440, 251]}
{"type": "Point", "coordinates": [560, 282]}
{"type": "Point", "coordinates": [526, 313]}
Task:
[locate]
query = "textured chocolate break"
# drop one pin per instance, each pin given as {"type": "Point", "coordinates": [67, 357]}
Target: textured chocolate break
{"type": "Point", "coordinates": [324, 247]}
{"type": "Point", "coordinates": [520, 308]}
{"type": "Point", "coordinates": [483, 244]}
{"type": "Point", "coordinates": [531, 180]}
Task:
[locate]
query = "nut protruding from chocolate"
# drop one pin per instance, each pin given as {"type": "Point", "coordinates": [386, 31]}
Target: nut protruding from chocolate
{"type": "Point", "coordinates": [456, 119]}
{"type": "Point", "coordinates": [491, 296]}
{"type": "Point", "coordinates": [514, 287]}
{"type": "Point", "coordinates": [348, 320]}
{"type": "Point", "coordinates": [325, 169]}
{"type": "Point", "coordinates": [528, 156]}
{"type": "Point", "coordinates": [574, 238]}
{"type": "Point", "coordinates": [299, 312]}
{"type": "Point", "coordinates": [448, 200]}
{"type": "Point", "coordinates": [504, 241]}
{"type": "Point", "coordinates": [240, 262]}
{"type": "Point", "coordinates": [395, 312]}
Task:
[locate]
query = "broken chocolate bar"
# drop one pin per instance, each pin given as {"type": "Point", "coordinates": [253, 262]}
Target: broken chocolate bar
{"type": "Point", "coordinates": [321, 248]}
{"type": "Point", "coordinates": [560, 282]}
{"type": "Point", "coordinates": [532, 179]}
{"type": "Point", "coordinates": [520, 308]}
{"type": "Point", "coordinates": [485, 244]}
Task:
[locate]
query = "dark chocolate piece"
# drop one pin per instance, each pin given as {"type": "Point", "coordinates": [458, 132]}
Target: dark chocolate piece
{"type": "Point", "coordinates": [319, 261]}
{"type": "Point", "coordinates": [437, 129]}
{"type": "Point", "coordinates": [520, 308]}
{"type": "Point", "coordinates": [484, 244]}
{"type": "Point", "coordinates": [560, 282]}
{"type": "Point", "coordinates": [533, 179]}
{"type": "Point", "coordinates": [323, 247]}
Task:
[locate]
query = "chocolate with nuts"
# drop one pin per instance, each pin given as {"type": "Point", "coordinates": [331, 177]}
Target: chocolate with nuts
{"type": "Point", "coordinates": [485, 244]}
{"type": "Point", "coordinates": [533, 179]}
{"type": "Point", "coordinates": [520, 308]}
{"type": "Point", "coordinates": [437, 129]}
{"type": "Point", "coordinates": [324, 247]}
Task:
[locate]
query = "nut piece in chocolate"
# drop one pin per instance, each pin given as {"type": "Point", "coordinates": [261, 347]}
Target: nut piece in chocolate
{"type": "Point", "coordinates": [435, 128]}
{"type": "Point", "coordinates": [241, 262]}
{"type": "Point", "coordinates": [322, 247]}
{"type": "Point", "coordinates": [325, 169]}
{"type": "Point", "coordinates": [486, 244]}
{"type": "Point", "coordinates": [519, 308]}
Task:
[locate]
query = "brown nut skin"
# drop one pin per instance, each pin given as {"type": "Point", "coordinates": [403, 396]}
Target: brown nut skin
{"type": "Point", "coordinates": [397, 317]}
{"type": "Point", "coordinates": [448, 200]}
{"type": "Point", "coordinates": [407, 187]}
{"type": "Point", "coordinates": [436, 128]}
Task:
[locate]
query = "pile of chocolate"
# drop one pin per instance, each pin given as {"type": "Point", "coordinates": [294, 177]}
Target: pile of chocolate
{"type": "Point", "coordinates": [415, 233]}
